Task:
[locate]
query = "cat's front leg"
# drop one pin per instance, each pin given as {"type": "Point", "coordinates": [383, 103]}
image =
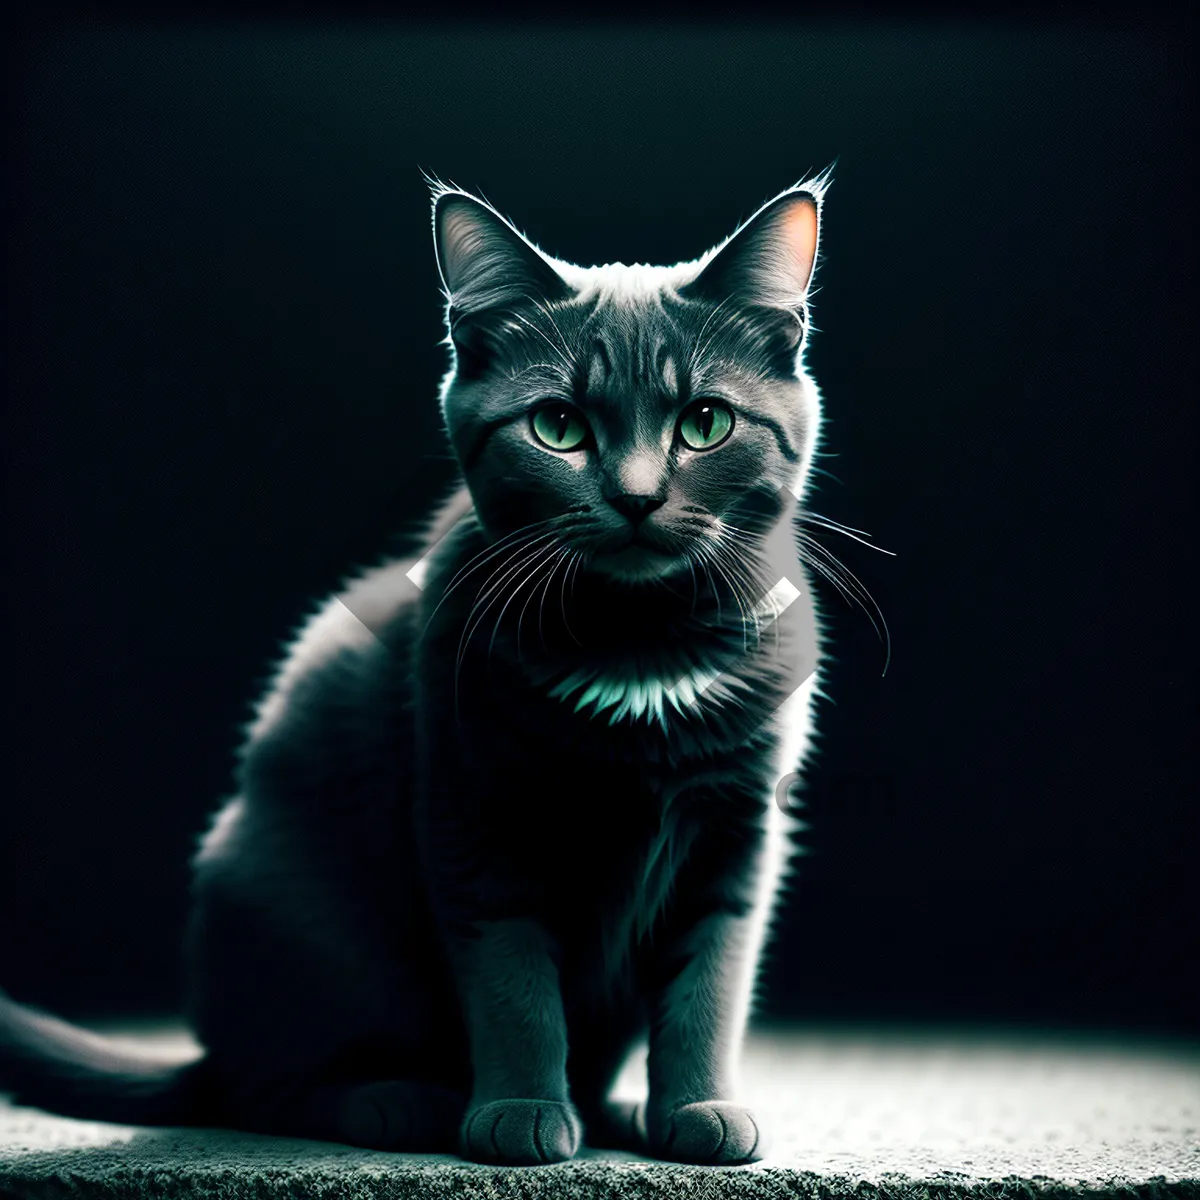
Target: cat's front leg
{"type": "Point", "coordinates": [484, 892]}
{"type": "Point", "coordinates": [699, 989]}
{"type": "Point", "coordinates": [519, 1112]}
{"type": "Point", "coordinates": [699, 1020]}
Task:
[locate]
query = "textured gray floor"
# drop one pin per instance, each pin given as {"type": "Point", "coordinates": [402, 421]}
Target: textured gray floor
{"type": "Point", "coordinates": [872, 1114]}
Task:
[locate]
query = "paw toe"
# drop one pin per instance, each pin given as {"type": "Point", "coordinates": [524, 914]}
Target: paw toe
{"type": "Point", "coordinates": [714, 1132]}
{"type": "Point", "coordinates": [521, 1132]}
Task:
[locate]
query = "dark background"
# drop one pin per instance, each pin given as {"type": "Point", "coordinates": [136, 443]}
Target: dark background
{"type": "Point", "coordinates": [223, 352]}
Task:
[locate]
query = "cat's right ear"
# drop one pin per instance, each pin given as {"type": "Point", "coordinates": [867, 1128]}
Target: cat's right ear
{"type": "Point", "coordinates": [487, 269]}
{"type": "Point", "coordinates": [770, 259]}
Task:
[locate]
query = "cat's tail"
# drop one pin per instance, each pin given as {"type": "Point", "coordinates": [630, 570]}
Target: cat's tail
{"type": "Point", "coordinates": [49, 1063]}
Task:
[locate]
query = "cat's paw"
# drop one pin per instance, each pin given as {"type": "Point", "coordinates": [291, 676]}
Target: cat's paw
{"type": "Point", "coordinates": [521, 1132]}
{"type": "Point", "coordinates": [712, 1132]}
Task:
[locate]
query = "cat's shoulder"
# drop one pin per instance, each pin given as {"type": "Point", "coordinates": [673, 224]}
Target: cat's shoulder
{"type": "Point", "coordinates": [367, 617]}
{"type": "Point", "coordinates": [344, 634]}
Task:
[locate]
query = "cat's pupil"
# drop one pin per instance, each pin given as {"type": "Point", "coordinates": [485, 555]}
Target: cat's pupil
{"type": "Point", "coordinates": [562, 419]}
{"type": "Point", "coordinates": [705, 422]}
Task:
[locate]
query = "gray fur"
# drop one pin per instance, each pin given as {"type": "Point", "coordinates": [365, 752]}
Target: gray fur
{"type": "Point", "coordinates": [495, 826]}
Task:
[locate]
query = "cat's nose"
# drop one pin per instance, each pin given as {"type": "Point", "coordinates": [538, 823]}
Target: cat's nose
{"type": "Point", "coordinates": [635, 507]}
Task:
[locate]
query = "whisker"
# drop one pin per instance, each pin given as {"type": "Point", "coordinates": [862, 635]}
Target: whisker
{"type": "Point", "coordinates": [712, 549]}
{"type": "Point", "coordinates": [809, 514]}
{"type": "Point", "coordinates": [702, 563]}
{"type": "Point", "coordinates": [495, 582]}
{"type": "Point", "coordinates": [845, 531]}
{"type": "Point", "coordinates": [562, 595]}
{"type": "Point", "coordinates": [545, 554]}
{"type": "Point", "coordinates": [836, 581]}
{"type": "Point", "coordinates": [751, 547]}
{"type": "Point", "coordinates": [493, 590]}
{"type": "Point", "coordinates": [695, 584]}
{"type": "Point", "coordinates": [835, 564]}
{"type": "Point", "coordinates": [825, 573]}
{"type": "Point", "coordinates": [756, 592]}
{"type": "Point", "coordinates": [746, 553]}
{"type": "Point", "coordinates": [489, 551]}
{"type": "Point", "coordinates": [827, 474]}
{"type": "Point", "coordinates": [563, 556]}
{"type": "Point", "coordinates": [575, 576]}
{"type": "Point", "coordinates": [837, 573]}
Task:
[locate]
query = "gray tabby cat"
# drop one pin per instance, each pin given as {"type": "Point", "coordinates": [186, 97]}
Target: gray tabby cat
{"type": "Point", "coordinates": [508, 807]}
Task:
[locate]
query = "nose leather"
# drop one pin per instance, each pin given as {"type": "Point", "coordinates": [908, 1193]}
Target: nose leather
{"type": "Point", "coordinates": [635, 507]}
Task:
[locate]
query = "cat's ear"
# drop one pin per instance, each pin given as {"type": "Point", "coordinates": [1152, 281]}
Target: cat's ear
{"type": "Point", "coordinates": [485, 263]}
{"type": "Point", "coordinates": [487, 269]}
{"type": "Point", "coordinates": [769, 261]}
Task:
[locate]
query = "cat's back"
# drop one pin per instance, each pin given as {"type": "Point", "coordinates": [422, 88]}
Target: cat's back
{"type": "Point", "coordinates": [332, 732]}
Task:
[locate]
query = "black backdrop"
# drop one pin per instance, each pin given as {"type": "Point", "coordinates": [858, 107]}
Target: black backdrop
{"type": "Point", "coordinates": [223, 354]}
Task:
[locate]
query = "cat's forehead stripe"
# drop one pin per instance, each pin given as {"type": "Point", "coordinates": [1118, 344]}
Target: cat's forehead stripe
{"type": "Point", "coordinates": [637, 355]}
{"type": "Point", "coordinates": [599, 366]}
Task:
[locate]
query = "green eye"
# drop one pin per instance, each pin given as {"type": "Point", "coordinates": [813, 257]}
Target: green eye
{"type": "Point", "coordinates": [705, 425]}
{"type": "Point", "coordinates": [560, 426]}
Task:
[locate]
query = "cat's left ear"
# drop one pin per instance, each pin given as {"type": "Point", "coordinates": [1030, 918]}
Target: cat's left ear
{"type": "Point", "coordinates": [769, 261]}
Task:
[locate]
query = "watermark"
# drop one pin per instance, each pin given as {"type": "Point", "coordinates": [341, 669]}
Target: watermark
{"type": "Point", "coordinates": [860, 795]}
{"type": "Point", "coordinates": [785, 800]}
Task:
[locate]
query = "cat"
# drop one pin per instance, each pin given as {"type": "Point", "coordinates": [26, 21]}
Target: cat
{"type": "Point", "coordinates": [507, 809]}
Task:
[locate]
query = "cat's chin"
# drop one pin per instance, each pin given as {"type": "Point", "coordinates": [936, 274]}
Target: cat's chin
{"type": "Point", "coordinates": [637, 564]}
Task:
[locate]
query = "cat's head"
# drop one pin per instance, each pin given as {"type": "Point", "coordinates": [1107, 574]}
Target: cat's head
{"type": "Point", "coordinates": [636, 414]}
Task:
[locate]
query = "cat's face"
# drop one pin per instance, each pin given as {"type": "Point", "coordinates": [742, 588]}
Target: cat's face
{"type": "Point", "coordinates": [641, 417]}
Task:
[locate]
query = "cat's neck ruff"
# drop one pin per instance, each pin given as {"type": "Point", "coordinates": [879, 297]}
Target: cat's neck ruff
{"type": "Point", "coordinates": [654, 696]}
{"type": "Point", "coordinates": [643, 697]}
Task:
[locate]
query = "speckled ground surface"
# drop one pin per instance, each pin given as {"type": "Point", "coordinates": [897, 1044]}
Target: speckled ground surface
{"type": "Point", "coordinates": [871, 1114]}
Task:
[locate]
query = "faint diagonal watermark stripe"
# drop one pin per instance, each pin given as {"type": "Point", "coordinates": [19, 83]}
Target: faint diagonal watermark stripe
{"type": "Point", "coordinates": [772, 614]}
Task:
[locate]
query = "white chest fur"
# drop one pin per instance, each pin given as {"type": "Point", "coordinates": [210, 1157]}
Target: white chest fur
{"type": "Point", "coordinates": [641, 697]}
{"type": "Point", "coordinates": [651, 697]}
